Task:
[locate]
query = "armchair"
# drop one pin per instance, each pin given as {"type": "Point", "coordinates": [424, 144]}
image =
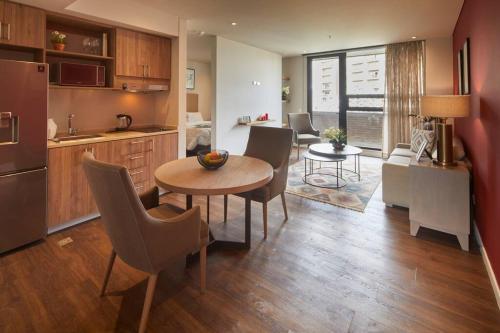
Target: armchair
{"type": "Point", "coordinates": [144, 234]}
{"type": "Point", "coordinates": [303, 131]}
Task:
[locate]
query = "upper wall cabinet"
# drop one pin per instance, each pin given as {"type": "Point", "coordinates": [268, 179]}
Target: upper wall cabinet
{"type": "Point", "coordinates": [21, 25]}
{"type": "Point", "coordinates": [142, 55]}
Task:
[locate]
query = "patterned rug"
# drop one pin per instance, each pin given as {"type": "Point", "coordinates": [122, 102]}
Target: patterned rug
{"type": "Point", "coordinates": [355, 195]}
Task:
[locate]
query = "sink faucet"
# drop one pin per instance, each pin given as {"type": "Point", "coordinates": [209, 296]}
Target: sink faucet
{"type": "Point", "coordinates": [71, 130]}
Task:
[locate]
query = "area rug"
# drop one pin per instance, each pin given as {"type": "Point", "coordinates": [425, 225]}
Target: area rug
{"type": "Point", "coordinates": [355, 195]}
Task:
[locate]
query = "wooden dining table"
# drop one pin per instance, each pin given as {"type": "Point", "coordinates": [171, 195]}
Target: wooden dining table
{"type": "Point", "coordinates": [240, 174]}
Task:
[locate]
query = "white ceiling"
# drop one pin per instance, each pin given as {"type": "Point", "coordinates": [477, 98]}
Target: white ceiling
{"type": "Point", "coordinates": [292, 27]}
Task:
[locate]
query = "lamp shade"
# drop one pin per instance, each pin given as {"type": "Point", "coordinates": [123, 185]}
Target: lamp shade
{"type": "Point", "coordinates": [451, 106]}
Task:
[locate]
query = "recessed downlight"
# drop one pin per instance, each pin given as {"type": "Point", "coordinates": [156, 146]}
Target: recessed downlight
{"type": "Point", "coordinates": [234, 24]}
{"type": "Point", "coordinates": [413, 37]}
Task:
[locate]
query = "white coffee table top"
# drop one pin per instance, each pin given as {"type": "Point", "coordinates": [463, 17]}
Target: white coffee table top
{"type": "Point", "coordinates": [326, 149]}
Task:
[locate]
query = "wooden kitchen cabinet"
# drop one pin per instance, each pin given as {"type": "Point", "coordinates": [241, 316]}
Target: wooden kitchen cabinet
{"type": "Point", "coordinates": [142, 55]}
{"type": "Point", "coordinates": [128, 61]}
{"type": "Point", "coordinates": [68, 190]}
{"type": "Point", "coordinates": [22, 25]}
{"type": "Point", "coordinates": [69, 195]}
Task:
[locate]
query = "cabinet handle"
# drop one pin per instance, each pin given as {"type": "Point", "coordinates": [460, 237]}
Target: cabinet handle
{"type": "Point", "coordinates": [136, 172]}
{"type": "Point", "coordinates": [8, 31]}
{"type": "Point", "coordinates": [143, 70]}
{"type": "Point", "coordinates": [149, 71]}
{"type": "Point", "coordinates": [136, 142]}
{"type": "Point", "coordinates": [1, 33]}
{"type": "Point", "coordinates": [136, 157]}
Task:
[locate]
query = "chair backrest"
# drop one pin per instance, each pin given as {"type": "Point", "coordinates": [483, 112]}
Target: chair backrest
{"type": "Point", "coordinates": [270, 144]}
{"type": "Point", "coordinates": [121, 210]}
{"type": "Point", "coordinates": [300, 122]}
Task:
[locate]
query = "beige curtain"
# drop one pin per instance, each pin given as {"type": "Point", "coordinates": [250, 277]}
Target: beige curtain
{"type": "Point", "coordinates": [405, 67]}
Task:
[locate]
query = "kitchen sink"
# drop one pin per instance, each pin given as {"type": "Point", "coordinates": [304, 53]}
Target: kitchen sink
{"type": "Point", "coordinates": [75, 137]}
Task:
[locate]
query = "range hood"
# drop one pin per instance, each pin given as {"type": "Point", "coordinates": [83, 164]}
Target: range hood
{"type": "Point", "coordinates": [144, 88]}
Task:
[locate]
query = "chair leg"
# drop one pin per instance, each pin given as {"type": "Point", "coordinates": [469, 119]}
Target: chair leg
{"type": "Point", "coordinates": [283, 201]}
{"type": "Point", "coordinates": [203, 269]}
{"type": "Point", "coordinates": [264, 217]}
{"type": "Point", "coordinates": [298, 152]}
{"type": "Point", "coordinates": [108, 271]}
{"type": "Point", "coordinates": [147, 302]}
{"type": "Point", "coordinates": [225, 208]}
{"type": "Point", "coordinates": [208, 209]}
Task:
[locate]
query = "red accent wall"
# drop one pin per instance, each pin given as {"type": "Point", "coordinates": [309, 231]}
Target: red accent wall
{"type": "Point", "coordinates": [480, 21]}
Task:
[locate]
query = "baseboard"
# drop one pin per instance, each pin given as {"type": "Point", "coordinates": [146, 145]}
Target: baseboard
{"type": "Point", "coordinates": [487, 264]}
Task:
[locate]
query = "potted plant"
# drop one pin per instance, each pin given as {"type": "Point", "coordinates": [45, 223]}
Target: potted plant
{"type": "Point", "coordinates": [336, 137]}
{"type": "Point", "coordinates": [285, 92]}
{"type": "Point", "coordinates": [58, 40]}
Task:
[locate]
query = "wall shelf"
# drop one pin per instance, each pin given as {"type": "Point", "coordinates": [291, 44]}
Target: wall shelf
{"type": "Point", "coordinates": [76, 55]}
{"type": "Point", "coordinates": [257, 122]}
{"type": "Point", "coordinates": [55, 86]}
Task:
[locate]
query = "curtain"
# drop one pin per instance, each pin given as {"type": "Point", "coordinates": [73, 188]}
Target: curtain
{"type": "Point", "coordinates": [405, 67]}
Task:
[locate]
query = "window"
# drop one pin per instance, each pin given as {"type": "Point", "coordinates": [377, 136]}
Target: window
{"type": "Point", "coordinates": [347, 90]}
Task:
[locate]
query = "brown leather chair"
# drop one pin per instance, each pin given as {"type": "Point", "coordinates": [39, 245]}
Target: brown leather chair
{"type": "Point", "coordinates": [272, 145]}
{"type": "Point", "coordinates": [144, 234]}
{"type": "Point", "coordinates": [303, 130]}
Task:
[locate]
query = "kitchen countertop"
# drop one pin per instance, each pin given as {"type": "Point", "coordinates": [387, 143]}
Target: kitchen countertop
{"type": "Point", "coordinates": [107, 136]}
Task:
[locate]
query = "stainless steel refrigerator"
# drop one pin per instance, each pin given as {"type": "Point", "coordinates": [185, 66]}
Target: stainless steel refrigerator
{"type": "Point", "coordinates": [23, 153]}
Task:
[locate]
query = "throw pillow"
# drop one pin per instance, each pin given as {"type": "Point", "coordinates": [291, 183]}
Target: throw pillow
{"type": "Point", "coordinates": [418, 136]}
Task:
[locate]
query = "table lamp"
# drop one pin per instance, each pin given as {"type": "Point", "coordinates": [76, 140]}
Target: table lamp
{"type": "Point", "coordinates": [442, 108]}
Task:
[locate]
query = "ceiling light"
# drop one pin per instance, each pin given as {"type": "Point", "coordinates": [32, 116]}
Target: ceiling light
{"type": "Point", "coordinates": [202, 33]}
{"type": "Point", "coordinates": [414, 37]}
{"type": "Point", "coordinates": [234, 23]}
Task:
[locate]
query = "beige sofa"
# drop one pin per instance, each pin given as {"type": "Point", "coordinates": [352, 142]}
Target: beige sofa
{"type": "Point", "coordinates": [396, 173]}
{"type": "Point", "coordinates": [396, 177]}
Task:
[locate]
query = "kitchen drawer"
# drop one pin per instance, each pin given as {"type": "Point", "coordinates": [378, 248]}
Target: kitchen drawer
{"type": "Point", "coordinates": [135, 161]}
{"type": "Point", "coordinates": [141, 187]}
{"type": "Point", "coordinates": [132, 146]}
{"type": "Point", "coordinates": [139, 175]}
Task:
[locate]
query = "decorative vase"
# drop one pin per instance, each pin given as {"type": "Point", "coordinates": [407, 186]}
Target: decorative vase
{"type": "Point", "coordinates": [337, 145]}
{"type": "Point", "coordinates": [59, 46]}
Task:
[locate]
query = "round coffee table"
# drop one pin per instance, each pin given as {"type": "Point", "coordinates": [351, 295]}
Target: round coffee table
{"type": "Point", "coordinates": [324, 152]}
{"type": "Point", "coordinates": [311, 158]}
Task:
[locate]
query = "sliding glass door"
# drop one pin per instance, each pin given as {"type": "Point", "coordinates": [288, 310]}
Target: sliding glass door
{"type": "Point", "coordinates": [326, 91]}
{"type": "Point", "coordinates": [347, 90]}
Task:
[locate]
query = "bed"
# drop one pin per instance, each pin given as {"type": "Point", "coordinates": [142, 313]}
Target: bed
{"type": "Point", "coordinates": [198, 131]}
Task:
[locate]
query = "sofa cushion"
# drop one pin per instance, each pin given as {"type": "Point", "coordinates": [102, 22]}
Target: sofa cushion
{"type": "Point", "coordinates": [403, 152]}
{"type": "Point", "coordinates": [418, 136]}
{"type": "Point", "coordinates": [399, 160]}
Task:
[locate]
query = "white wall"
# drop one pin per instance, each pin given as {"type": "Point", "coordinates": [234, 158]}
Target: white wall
{"type": "Point", "coordinates": [294, 68]}
{"type": "Point", "coordinates": [202, 87]}
{"type": "Point", "coordinates": [236, 66]}
{"type": "Point", "coordinates": [439, 66]}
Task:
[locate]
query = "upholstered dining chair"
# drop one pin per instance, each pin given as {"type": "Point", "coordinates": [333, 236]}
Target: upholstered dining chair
{"type": "Point", "coordinates": [303, 131]}
{"type": "Point", "coordinates": [272, 145]}
{"type": "Point", "coordinates": [144, 234]}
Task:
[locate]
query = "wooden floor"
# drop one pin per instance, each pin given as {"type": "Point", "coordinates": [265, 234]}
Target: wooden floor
{"type": "Point", "coordinates": [327, 269]}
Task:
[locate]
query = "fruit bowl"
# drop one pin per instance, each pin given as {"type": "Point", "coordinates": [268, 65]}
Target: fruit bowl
{"type": "Point", "coordinates": [212, 159]}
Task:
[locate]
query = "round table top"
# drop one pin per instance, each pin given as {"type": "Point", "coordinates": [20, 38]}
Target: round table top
{"type": "Point", "coordinates": [323, 158]}
{"type": "Point", "coordinates": [239, 174]}
{"type": "Point", "coordinates": [326, 149]}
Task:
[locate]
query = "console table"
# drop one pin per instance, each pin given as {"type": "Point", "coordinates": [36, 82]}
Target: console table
{"type": "Point", "coordinates": [440, 199]}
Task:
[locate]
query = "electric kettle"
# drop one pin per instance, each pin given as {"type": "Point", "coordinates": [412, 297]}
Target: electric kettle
{"type": "Point", "coordinates": [124, 122]}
